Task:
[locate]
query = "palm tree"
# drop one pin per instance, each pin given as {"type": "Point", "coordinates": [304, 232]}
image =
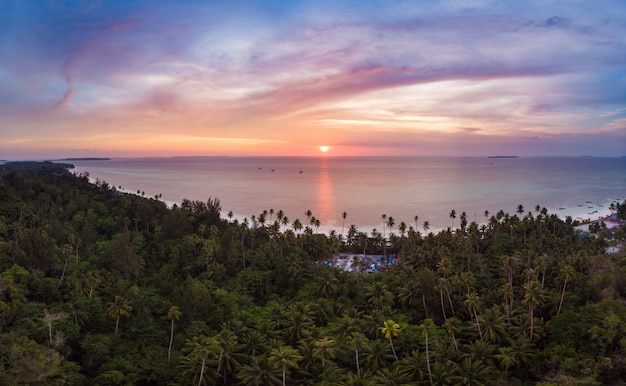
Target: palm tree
{"type": "Point", "coordinates": [439, 287]}
{"type": "Point", "coordinates": [284, 357]}
{"type": "Point", "coordinates": [226, 342]}
{"type": "Point", "coordinates": [118, 308]}
{"type": "Point", "coordinates": [452, 216]}
{"type": "Point", "coordinates": [473, 372]}
{"type": "Point", "coordinates": [377, 355]}
{"type": "Point", "coordinates": [453, 326]}
{"type": "Point", "coordinates": [533, 297]}
{"type": "Point", "coordinates": [92, 280]}
{"type": "Point", "coordinates": [492, 324]}
{"type": "Point", "coordinates": [506, 291]}
{"type": "Point", "coordinates": [343, 223]}
{"type": "Point", "coordinates": [356, 340]}
{"type": "Point", "coordinates": [506, 357]}
{"type": "Point", "coordinates": [259, 373]}
{"type": "Point", "coordinates": [566, 273]}
{"type": "Point", "coordinates": [201, 348]}
{"type": "Point", "coordinates": [426, 226]}
{"type": "Point", "coordinates": [324, 349]}
{"type": "Point", "coordinates": [390, 329]}
{"type": "Point", "coordinates": [173, 314]}
{"type": "Point", "coordinates": [427, 326]}
{"type": "Point", "coordinates": [390, 223]}
{"type": "Point", "coordinates": [471, 301]}
{"type": "Point", "coordinates": [384, 218]}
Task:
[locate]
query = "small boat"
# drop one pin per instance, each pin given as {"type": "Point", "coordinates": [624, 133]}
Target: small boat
{"type": "Point", "coordinates": [300, 172]}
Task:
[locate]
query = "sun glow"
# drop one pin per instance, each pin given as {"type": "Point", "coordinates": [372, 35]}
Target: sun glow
{"type": "Point", "coordinates": [324, 149]}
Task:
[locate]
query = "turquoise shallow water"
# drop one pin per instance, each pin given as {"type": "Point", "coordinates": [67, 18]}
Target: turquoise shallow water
{"type": "Point", "coordinates": [368, 187]}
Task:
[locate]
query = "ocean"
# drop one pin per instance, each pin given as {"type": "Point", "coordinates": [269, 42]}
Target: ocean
{"type": "Point", "coordinates": [366, 188]}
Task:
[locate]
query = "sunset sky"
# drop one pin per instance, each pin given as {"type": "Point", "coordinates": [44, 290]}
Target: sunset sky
{"type": "Point", "coordinates": [162, 78]}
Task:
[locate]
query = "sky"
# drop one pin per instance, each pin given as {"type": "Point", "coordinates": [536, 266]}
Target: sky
{"type": "Point", "coordinates": [256, 78]}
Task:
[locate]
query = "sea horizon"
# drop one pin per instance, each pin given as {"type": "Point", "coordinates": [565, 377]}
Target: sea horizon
{"type": "Point", "coordinates": [400, 187]}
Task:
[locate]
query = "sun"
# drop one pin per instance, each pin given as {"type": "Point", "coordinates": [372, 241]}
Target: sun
{"type": "Point", "coordinates": [324, 148]}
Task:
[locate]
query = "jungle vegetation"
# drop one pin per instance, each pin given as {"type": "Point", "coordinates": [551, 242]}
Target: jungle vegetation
{"type": "Point", "coordinates": [100, 287]}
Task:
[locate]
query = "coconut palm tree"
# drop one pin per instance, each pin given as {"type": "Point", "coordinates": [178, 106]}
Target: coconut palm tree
{"type": "Point", "coordinates": [118, 308]}
{"type": "Point", "coordinates": [173, 314]}
{"type": "Point", "coordinates": [453, 326]}
{"type": "Point", "coordinates": [566, 273]}
{"type": "Point", "coordinates": [452, 216]}
{"type": "Point", "coordinates": [390, 330]}
{"type": "Point", "coordinates": [284, 357]}
{"type": "Point", "coordinates": [202, 347]}
{"type": "Point", "coordinates": [259, 373]}
{"type": "Point", "coordinates": [356, 340]}
{"type": "Point", "coordinates": [492, 324]}
{"type": "Point", "coordinates": [506, 357]}
{"type": "Point", "coordinates": [427, 326]}
{"type": "Point", "coordinates": [533, 297]}
{"type": "Point", "coordinates": [471, 302]}
{"type": "Point", "coordinates": [324, 350]}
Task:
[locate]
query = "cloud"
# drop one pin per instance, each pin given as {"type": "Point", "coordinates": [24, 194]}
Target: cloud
{"type": "Point", "coordinates": [298, 71]}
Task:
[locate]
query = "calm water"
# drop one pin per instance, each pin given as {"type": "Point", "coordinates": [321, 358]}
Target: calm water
{"type": "Point", "coordinates": [366, 188]}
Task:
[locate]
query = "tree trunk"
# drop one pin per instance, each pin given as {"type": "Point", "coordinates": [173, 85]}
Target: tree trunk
{"type": "Point", "coordinates": [430, 376]}
{"type": "Point", "coordinates": [202, 371]}
{"type": "Point", "coordinates": [393, 349]}
{"type": "Point", "coordinates": [62, 274]}
{"type": "Point", "coordinates": [169, 350]}
{"type": "Point", "coordinates": [562, 297]}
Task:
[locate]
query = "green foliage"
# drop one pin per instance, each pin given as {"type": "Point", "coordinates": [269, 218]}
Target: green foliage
{"type": "Point", "coordinates": [106, 288]}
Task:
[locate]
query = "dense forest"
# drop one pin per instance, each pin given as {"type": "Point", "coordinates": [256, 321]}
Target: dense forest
{"type": "Point", "coordinates": [100, 287]}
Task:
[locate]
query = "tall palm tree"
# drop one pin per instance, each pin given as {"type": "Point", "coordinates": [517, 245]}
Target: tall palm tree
{"type": "Point", "coordinates": [506, 357]}
{"type": "Point", "coordinates": [441, 284]}
{"type": "Point", "coordinates": [118, 308]}
{"type": "Point", "coordinates": [427, 327]}
{"type": "Point", "coordinates": [533, 297]}
{"type": "Point", "coordinates": [173, 314]}
{"type": "Point", "coordinates": [506, 291]}
{"type": "Point", "coordinates": [343, 222]}
{"type": "Point", "coordinates": [566, 273]}
{"type": "Point", "coordinates": [226, 342]}
{"type": "Point", "coordinates": [356, 340]}
{"type": "Point", "coordinates": [284, 357]}
{"type": "Point", "coordinates": [201, 348]}
{"type": "Point", "coordinates": [453, 326]}
{"type": "Point", "coordinates": [471, 302]}
{"type": "Point", "coordinates": [390, 330]}
{"type": "Point", "coordinates": [492, 323]}
{"type": "Point", "coordinates": [259, 373]}
{"type": "Point", "coordinates": [324, 349]}
{"type": "Point", "coordinates": [452, 216]}
{"type": "Point", "coordinates": [384, 218]}
{"type": "Point", "coordinates": [391, 222]}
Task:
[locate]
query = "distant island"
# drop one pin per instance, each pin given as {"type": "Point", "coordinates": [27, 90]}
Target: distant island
{"type": "Point", "coordinates": [86, 159]}
{"type": "Point", "coordinates": [503, 156]}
